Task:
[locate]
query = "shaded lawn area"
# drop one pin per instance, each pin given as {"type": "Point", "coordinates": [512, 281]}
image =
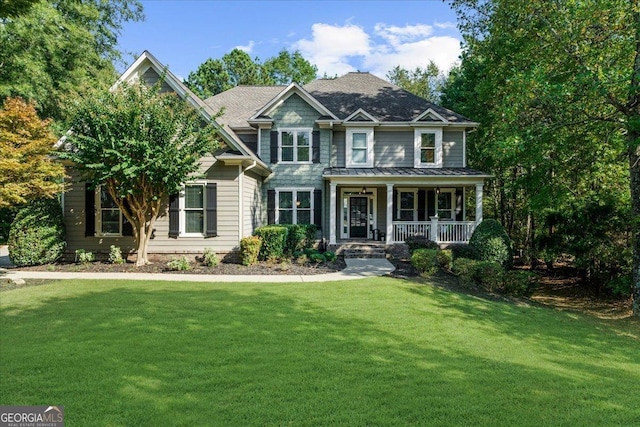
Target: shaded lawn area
{"type": "Point", "coordinates": [371, 352]}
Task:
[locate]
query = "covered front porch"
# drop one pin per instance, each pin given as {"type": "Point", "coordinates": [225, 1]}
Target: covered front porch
{"type": "Point", "coordinates": [389, 208]}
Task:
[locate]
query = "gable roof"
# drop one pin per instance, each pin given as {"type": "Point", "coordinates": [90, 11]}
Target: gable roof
{"type": "Point", "coordinates": [381, 99]}
{"type": "Point", "coordinates": [240, 103]}
{"type": "Point", "coordinates": [146, 61]}
{"type": "Point", "coordinates": [293, 88]}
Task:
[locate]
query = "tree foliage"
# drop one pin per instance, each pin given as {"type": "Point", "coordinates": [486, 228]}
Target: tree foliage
{"type": "Point", "coordinates": [556, 85]}
{"type": "Point", "coordinates": [425, 82]}
{"type": "Point", "coordinates": [53, 51]}
{"type": "Point", "coordinates": [26, 143]}
{"type": "Point", "coordinates": [237, 68]}
{"type": "Point", "coordinates": [140, 144]}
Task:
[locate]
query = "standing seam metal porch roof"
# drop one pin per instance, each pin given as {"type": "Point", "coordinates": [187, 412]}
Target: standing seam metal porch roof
{"type": "Point", "coordinates": [400, 171]}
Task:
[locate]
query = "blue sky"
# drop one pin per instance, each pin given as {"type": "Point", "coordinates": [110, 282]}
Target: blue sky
{"type": "Point", "coordinates": [337, 36]}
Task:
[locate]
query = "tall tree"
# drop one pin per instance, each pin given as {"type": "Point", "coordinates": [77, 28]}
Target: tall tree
{"type": "Point", "coordinates": [27, 171]}
{"type": "Point", "coordinates": [565, 76]}
{"type": "Point", "coordinates": [141, 145]}
{"type": "Point", "coordinates": [237, 68]}
{"type": "Point", "coordinates": [425, 82]}
{"type": "Point", "coordinates": [52, 51]}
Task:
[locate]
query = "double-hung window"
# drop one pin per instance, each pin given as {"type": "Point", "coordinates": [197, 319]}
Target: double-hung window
{"type": "Point", "coordinates": [295, 145]}
{"type": "Point", "coordinates": [109, 216]}
{"type": "Point", "coordinates": [407, 201]}
{"type": "Point", "coordinates": [294, 206]}
{"type": "Point", "coordinates": [194, 209]}
{"type": "Point", "coordinates": [428, 148]}
{"type": "Point", "coordinates": [360, 147]}
{"type": "Point", "coordinates": [446, 207]}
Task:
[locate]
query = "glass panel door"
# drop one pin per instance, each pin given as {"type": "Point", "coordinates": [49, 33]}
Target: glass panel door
{"type": "Point", "coordinates": [358, 216]}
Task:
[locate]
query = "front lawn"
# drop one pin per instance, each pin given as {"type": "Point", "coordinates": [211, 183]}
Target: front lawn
{"type": "Point", "coordinates": [371, 352]}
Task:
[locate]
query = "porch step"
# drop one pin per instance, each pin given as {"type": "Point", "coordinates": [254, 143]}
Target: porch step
{"type": "Point", "coordinates": [364, 252]}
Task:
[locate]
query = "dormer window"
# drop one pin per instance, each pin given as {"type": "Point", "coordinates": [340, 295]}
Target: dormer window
{"type": "Point", "coordinates": [360, 147]}
{"type": "Point", "coordinates": [428, 148]}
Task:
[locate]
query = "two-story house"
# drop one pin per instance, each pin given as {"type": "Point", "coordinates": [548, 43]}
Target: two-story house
{"type": "Point", "coordinates": [355, 155]}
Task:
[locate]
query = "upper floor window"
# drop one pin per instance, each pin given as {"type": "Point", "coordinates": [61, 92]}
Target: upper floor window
{"type": "Point", "coordinates": [360, 147]}
{"type": "Point", "coordinates": [295, 145]}
{"type": "Point", "coordinates": [108, 214]}
{"type": "Point", "coordinates": [428, 148]}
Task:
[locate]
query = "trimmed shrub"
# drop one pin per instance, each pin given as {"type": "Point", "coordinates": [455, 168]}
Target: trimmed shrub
{"type": "Point", "coordinates": [250, 250]}
{"type": "Point", "coordinates": [465, 269]}
{"type": "Point", "coordinates": [310, 234]}
{"type": "Point", "coordinates": [310, 251]}
{"type": "Point", "coordinates": [115, 255]}
{"type": "Point", "coordinates": [274, 238]}
{"type": "Point", "coordinates": [84, 257]}
{"type": "Point", "coordinates": [518, 282]}
{"type": "Point", "coordinates": [37, 234]}
{"type": "Point", "coordinates": [420, 242]}
{"type": "Point", "coordinates": [209, 258]}
{"type": "Point", "coordinates": [489, 275]}
{"type": "Point", "coordinates": [317, 258]}
{"type": "Point", "coordinates": [492, 244]}
{"type": "Point", "coordinates": [462, 250]}
{"type": "Point", "coordinates": [330, 256]}
{"type": "Point", "coordinates": [179, 264]}
{"type": "Point", "coordinates": [445, 257]}
{"type": "Point", "coordinates": [296, 238]}
{"type": "Point", "coordinates": [425, 261]}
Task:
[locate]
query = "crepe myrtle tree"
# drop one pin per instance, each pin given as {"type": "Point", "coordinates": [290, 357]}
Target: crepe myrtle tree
{"type": "Point", "coordinates": [141, 145]}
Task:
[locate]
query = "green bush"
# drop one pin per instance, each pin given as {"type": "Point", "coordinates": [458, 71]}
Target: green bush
{"type": "Point", "coordinates": [425, 261]}
{"type": "Point", "coordinates": [445, 257]}
{"type": "Point", "coordinates": [84, 257]}
{"type": "Point", "coordinates": [7, 215]}
{"type": "Point", "coordinates": [462, 250]}
{"type": "Point", "coordinates": [209, 258]}
{"type": "Point", "coordinates": [489, 275]}
{"type": "Point", "coordinates": [296, 238]}
{"type": "Point", "coordinates": [518, 282]}
{"type": "Point", "coordinates": [420, 242]}
{"type": "Point", "coordinates": [465, 269]}
{"type": "Point", "coordinates": [310, 251]}
{"type": "Point", "coordinates": [179, 264]}
{"type": "Point", "coordinates": [115, 255]}
{"type": "Point", "coordinates": [250, 249]}
{"type": "Point", "coordinates": [317, 258]}
{"type": "Point", "coordinates": [37, 234]}
{"type": "Point", "coordinates": [491, 243]}
{"type": "Point", "coordinates": [330, 256]}
{"type": "Point", "coordinates": [310, 234]}
{"type": "Point", "coordinates": [274, 238]}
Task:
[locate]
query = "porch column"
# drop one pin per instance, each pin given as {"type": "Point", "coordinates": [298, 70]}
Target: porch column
{"type": "Point", "coordinates": [389, 214]}
{"type": "Point", "coordinates": [332, 213]}
{"type": "Point", "coordinates": [479, 188]}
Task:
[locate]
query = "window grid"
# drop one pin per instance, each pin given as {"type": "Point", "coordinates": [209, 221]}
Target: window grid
{"type": "Point", "coordinates": [295, 207]}
{"type": "Point", "coordinates": [295, 145]}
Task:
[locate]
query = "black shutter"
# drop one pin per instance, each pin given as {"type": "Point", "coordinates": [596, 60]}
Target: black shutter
{"type": "Point", "coordinates": [395, 205]}
{"type": "Point", "coordinates": [431, 203]}
{"type": "Point", "coordinates": [89, 210]}
{"type": "Point", "coordinates": [317, 208]}
{"type": "Point", "coordinates": [271, 206]}
{"type": "Point", "coordinates": [174, 215]}
{"type": "Point", "coordinates": [459, 202]}
{"type": "Point", "coordinates": [127, 227]}
{"type": "Point", "coordinates": [315, 146]}
{"type": "Point", "coordinates": [422, 201]}
{"type": "Point", "coordinates": [212, 210]}
{"type": "Point", "coordinates": [274, 146]}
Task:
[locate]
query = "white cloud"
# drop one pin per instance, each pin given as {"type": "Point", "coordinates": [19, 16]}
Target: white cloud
{"type": "Point", "coordinates": [247, 48]}
{"type": "Point", "coordinates": [331, 47]}
{"type": "Point", "coordinates": [339, 49]}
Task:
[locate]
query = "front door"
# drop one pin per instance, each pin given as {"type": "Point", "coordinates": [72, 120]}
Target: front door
{"type": "Point", "coordinates": [358, 216]}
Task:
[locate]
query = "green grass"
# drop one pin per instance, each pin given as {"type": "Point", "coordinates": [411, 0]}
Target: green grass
{"type": "Point", "coordinates": [370, 352]}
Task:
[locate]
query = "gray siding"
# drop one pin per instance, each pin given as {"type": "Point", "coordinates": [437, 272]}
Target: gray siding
{"type": "Point", "coordinates": [338, 149]}
{"type": "Point", "coordinates": [393, 149]}
{"type": "Point", "coordinates": [252, 208]}
{"type": "Point", "coordinates": [228, 223]}
{"type": "Point", "coordinates": [250, 140]}
{"type": "Point", "coordinates": [151, 77]}
{"type": "Point", "coordinates": [452, 149]}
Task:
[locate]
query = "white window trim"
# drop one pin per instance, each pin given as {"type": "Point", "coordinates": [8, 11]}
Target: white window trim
{"type": "Point", "coordinates": [417, 148]}
{"type": "Point", "coordinates": [98, 216]}
{"type": "Point", "coordinates": [295, 190]}
{"type": "Point", "coordinates": [452, 196]}
{"type": "Point", "coordinates": [415, 203]}
{"type": "Point", "coordinates": [309, 131]}
{"type": "Point", "coordinates": [370, 141]}
{"type": "Point", "coordinates": [182, 207]}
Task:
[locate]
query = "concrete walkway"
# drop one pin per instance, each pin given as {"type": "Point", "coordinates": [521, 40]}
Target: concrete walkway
{"type": "Point", "coordinates": [357, 268]}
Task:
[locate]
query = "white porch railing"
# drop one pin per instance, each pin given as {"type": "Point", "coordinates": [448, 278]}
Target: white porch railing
{"type": "Point", "coordinates": [448, 231]}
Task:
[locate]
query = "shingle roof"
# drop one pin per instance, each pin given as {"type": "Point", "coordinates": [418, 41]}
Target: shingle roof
{"type": "Point", "coordinates": [383, 100]}
{"type": "Point", "coordinates": [401, 172]}
{"type": "Point", "coordinates": [241, 102]}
